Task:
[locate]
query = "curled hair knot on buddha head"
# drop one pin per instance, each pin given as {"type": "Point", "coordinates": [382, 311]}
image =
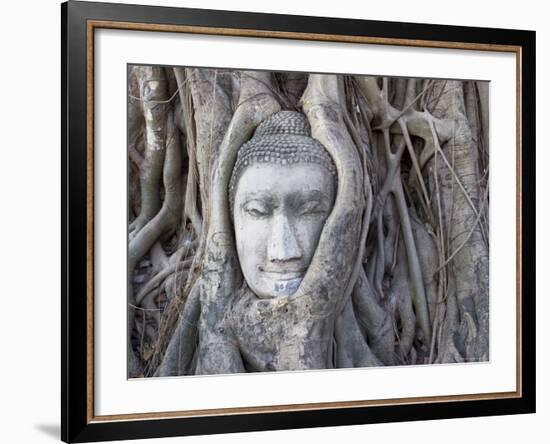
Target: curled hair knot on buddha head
{"type": "Point", "coordinates": [283, 138]}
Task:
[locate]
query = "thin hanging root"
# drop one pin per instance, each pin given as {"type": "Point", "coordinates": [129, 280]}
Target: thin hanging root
{"type": "Point", "coordinates": [439, 316]}
{"type": "Point", "coordinates": [170, 316]}
{"type": "Point", "coordinates": [191, 191]}
{"type": "Point", "coordinates": [395, 249]}
{"type": "Point", "coordinates": [443, 281]}
{"type": "Point", "coordinates": [392, 169]}
{"type": "Point", "coordinates": [380, 259]}
{"type": "Point", "coordinates": [175, 283]}
{"type": "Point", "coordinates": [390, 243]}
{"type": "Point", "coordinates": [156, 280]}
{"type": "Point", "coordinates": [393, 161]}
{"type": "Point", "coordinates": [458, 181]}
{"type": "Point", "coordinates": [417, 282]}
{"type": "Point", "coordinates": [150, 306]}
{"type": "Point", "coordinates": [415, 272]}
{"type": "Point", "coordinates": [177, 304]}
{"type": "Point", "coordinates": [442, 246]}
{"type": "Point", "coordinates": [469, 234]}
{"type": "Point", "coordinates": [148, 293]}
{"type": "Point", "coordinates": [426, 200]}
{"type": "Point", "coordinates": [406, 314]}
{"type": "Point", "coordinates": [401, 295]}
{"type": "Point", "coordinates": [135, 155]}
{"type": "Point", "coordinates": [150, 311]}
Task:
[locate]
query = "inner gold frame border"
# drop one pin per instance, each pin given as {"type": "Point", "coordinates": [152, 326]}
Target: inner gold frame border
{"type": "Point", "coordinates": [92, 25]}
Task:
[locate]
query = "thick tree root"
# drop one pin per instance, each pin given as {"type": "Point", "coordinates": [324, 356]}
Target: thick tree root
{"type": "Point", "coordinates": [218, 352]}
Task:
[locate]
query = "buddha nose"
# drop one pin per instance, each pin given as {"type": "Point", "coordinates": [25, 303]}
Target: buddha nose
{"type": "Point", "coordinates": [282, 244]}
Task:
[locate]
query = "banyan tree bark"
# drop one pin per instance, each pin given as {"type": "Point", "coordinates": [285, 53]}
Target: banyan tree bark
{"type": "Point", "coordinates": [463, 202]}
{"type": "Point", "coordinates": [217, 350]}
{"type": "Point", "coordinates": [400, 273]}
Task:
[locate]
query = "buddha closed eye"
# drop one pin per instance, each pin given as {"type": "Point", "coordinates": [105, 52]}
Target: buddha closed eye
{"type": "Point", "coordinates": [281, 192]}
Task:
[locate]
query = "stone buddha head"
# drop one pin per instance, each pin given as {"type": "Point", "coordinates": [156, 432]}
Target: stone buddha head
{"type": "Point", "coordinates": [281, 192]}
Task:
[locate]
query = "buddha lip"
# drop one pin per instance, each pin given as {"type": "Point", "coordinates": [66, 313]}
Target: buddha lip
{"type": "Point", "coordinates": [282, 274]}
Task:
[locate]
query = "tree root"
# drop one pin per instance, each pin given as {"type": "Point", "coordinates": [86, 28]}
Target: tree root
{"type": "Point", "coordinates": [217, 351]}
{"type": "Point", "coordinates": [351, 348]}
{"type": "Point", "coordinates": [374, 320]}
{"type": "Point", "coordinates": [181, 349]}
{"type": "Point", "coordinates": [152, 84]}
{"type": "Point", "coordinates": [159, 278]}
{"type": "Point", "coordinates": [191, 210]}
{"type": "Point", "coordinates": [164, 221]}
{"type": "Point", "coordinates": [470, 263]}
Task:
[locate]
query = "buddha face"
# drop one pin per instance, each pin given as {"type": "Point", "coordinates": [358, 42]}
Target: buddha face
{"type": "Point", "coordinates": [279, 213]}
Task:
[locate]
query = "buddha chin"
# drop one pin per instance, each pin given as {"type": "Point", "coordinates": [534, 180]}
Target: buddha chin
{"type": "Point", "coordinates": [282, 283]}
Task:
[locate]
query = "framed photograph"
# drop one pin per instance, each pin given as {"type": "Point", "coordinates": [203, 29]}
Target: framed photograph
{"type": "Point", "coordinates": [275, 221]}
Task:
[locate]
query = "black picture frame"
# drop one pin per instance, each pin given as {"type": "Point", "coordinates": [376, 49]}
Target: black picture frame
{"type": "Point", "coordinates": [77, 423]}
